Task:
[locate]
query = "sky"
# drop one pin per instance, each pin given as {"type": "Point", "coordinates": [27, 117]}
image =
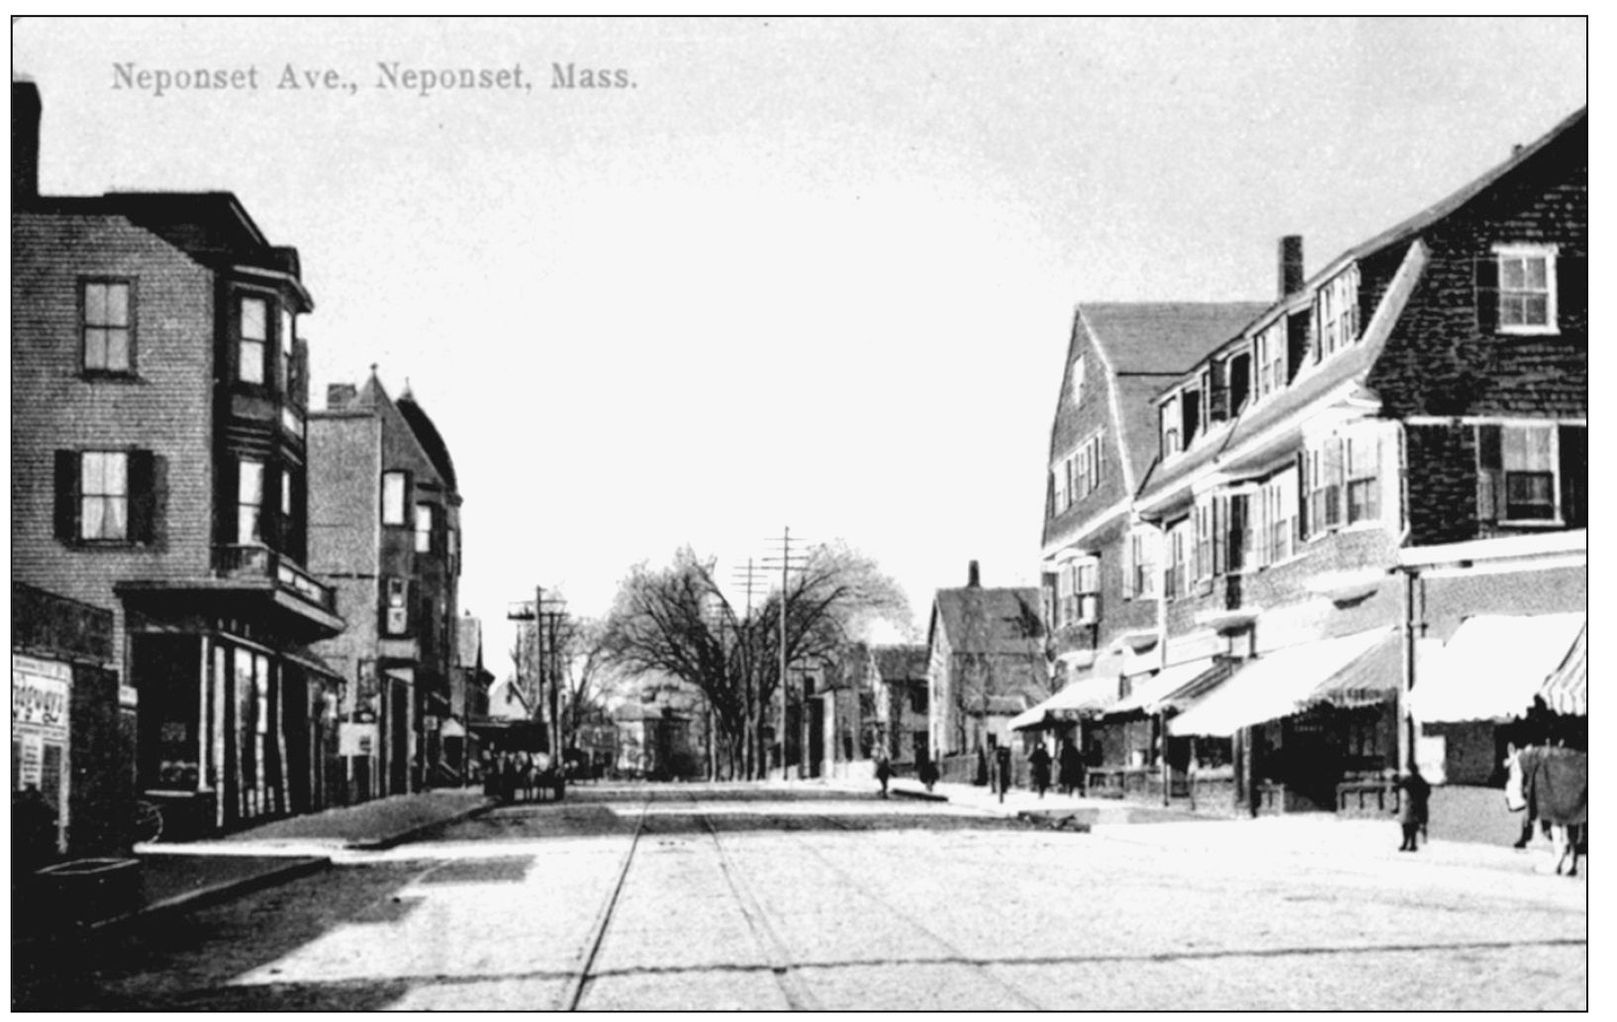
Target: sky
{"type": "Point", "coordinates": [807, 273]}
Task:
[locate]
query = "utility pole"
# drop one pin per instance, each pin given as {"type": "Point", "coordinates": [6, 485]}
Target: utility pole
{"type": "Point", "coordinates": [787, 562]}
{"type": "Point", "coordinates": [750, 579]}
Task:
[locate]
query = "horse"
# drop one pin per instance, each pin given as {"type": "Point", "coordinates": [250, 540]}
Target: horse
{"type": "Point", "coordinates": [1552, 785]}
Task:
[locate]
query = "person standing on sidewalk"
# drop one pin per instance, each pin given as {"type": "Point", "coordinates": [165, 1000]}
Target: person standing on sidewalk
{"type": "Point", "coordinates": [1039, 761]}
{"type": "Point", "coordinates": [1071, 766]}
{"type": "Point", "coordinates": [884, 770]}
{"type": "Point", "coordinates": [926, 770]}
{"type": "Point", "coordinates": [1415, 794]}
{"type": "Point", "coordinates": [1002, 770]}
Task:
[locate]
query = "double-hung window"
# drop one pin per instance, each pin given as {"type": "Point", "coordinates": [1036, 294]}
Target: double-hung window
{"type": "Point", "coordinates": [250, 502]}
{"type": "Point", "coordinates": [109, 327]}
{"type": "Point", "coordinates": [1324, 464]}
{"type": "Point", "coordinates": [1142, 565]}
{"type": "Point", "coordinates": [1527, 297]}
{"type": "Point", "coordinates": [104, 495]}
{"type": "Point", "coordinates": [1077, 380]}
{"type": "Point", "coordinates": [288, 356]}
{"type": "Point", "coordinates": [423, 528]}
{"type": "Point", "coordinates": [1363, 482]}
{"type": "Point", "coordinates": [1169, 411]}
{"type": "Point", "coordinates": [1519, 473]}
{"type": "Point", "coordinates": [252, 339]}
{"type": "Point", "coordinates": [1086, 590]}
{"type": "Point", "coordinates": [394, 492]}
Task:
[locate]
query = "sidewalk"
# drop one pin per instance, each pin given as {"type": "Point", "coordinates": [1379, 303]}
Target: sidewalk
{"type": "Point", "coordinates": [378, 824]}
{"type": "Point", "coordinates": [1369, 840]}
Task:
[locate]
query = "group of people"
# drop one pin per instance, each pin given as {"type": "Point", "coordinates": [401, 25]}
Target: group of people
{"type": "Point", "coordinates": [514, 775]}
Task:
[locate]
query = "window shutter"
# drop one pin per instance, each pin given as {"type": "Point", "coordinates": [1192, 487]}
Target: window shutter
{"type": "Point", "coordinates": [1572, 291]}
{"type": "Point", "coordinates": [144, 493]}
{"type": "Point", "coordinates": [224, 504]}
{"type": "Point", "coordinates": [67, 496]}
{"type": "Point", "coordinates": [1487, 293]}
{"type": "Point", "coordinates": [1490, 473]}
{"type": "Point", "coordinates": [1302, 495]}
{"type": "Point", "coordinates": [1574, 442]}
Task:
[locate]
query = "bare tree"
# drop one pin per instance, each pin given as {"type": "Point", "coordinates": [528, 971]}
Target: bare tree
{"type": "Point", "coordinates": [676, 620]}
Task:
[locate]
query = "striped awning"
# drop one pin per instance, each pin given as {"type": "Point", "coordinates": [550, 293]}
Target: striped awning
{"type": "Point", "coordinates": [1171, 687]}
{"type": "Point", "coordinates": [1566, 690]}
{"type": "Point", "coordinates": [1493, 666]}
{"type": "Point", "coordinates": [1077, 699]}
{"type": "Point", "coordinates": [1276, 684]}
{"type": "Point", "coordinates": [1371, 679]}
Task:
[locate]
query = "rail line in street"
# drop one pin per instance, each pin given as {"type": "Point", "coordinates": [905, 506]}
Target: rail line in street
{"type": "Point", "coordinates": [574, 991]}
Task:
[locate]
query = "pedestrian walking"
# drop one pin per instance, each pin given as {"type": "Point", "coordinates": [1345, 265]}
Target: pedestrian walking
{"type": "Point", "coordinates": [884, 770]}
{"type": "Point", "coordinates": [982, 765]}
{"type": "Point", "coordinates": [1071, 768]}
{"type": "Point", "coordinates": [1002, 768]}
{"type": "Point", "coordinates": [1416, 793]}
{"type": "Point", "coordinates": [1039, 761]}
{"type": "Point", "coordinates": [926, 770]}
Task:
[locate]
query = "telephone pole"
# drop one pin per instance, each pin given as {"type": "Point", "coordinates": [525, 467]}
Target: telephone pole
{"type": "Point", "coordinates": [750, 579]}
{"type": "Point", "coordinates": [786, 562]}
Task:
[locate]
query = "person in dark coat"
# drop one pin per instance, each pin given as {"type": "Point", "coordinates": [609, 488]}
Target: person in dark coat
{"type": "Point", "coordinates": [926, 770]}
{"type": "Point", "coordinates": [1039, 762]}
{"type": "Point", "coordinates": [1071, 768]}
{"type": "Point", "coordinates": [982, 766]}
{"type": "Point", "coordinates": [1002, 770]}
{"type": "Point", "coordinates": [884, 771]}
{"type": "Point", "coordinates": [1416, 793]}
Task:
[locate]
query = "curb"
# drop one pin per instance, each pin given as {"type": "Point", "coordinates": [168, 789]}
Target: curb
{"type": "Point", "coordinates": [921, 796]}
{"type": "Point", "coordinates": [382, 844]}
{"type": "Point", "coordinates": [213, 894]}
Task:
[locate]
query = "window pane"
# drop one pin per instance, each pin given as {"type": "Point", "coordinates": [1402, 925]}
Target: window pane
{"type": "Point", "coordinates": [251, 369]}
{"type": "Point", "coordinates": [1535, 272]}
{"type": "Point", "coordinates": [117, 355]}
{"type": "Point", "coordinates": [92, 472]}
{"type": "Point", "coordinates": [247, 524]}
{"type": "Point", "coordinates": [286, 492]}
{"type": "Point", "coordinates": [115, 524]}
{"type": "Point", "coordinates": [250, 486]}
{"type": "Point", "coordinates": [287, 335]}
{"type": "Point", "coordinates": [393, 498]}
{"type": "Point", "coordinates": [95, 348]}
{"type": "Point", "coordinates": [117, 305]}
{"type": "Point", "coordinates": [91, 517]}
{"type": "Point", "coordinates": [115, 469]}
{"type": "Point", "coordinates": [1535, 310]}
{"type": "Point", "coordinates": [1512, 274]}
{"type": "Point", "coordinates": [95, 303]}
{"type": "Point", "coordinates": [254, 317]}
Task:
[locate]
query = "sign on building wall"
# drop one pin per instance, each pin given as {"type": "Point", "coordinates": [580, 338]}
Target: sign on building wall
{"type": "Point", "coordinates": [41, 700]}
{"type": "Point", "coordinates": [356, 739]}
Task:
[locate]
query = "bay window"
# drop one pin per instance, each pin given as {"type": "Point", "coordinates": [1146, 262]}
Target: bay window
{"type": "Point", "coordinates": [1363, 479]}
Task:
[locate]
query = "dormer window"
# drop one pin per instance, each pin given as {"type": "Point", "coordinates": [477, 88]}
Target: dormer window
{"type": "Point", "coordinates": [1240, 383]}
{"type": "Point", "coordinates": [1336, 310]}
{"type": "Point", "coordinates": [1077, 380]}
{"type": "Point", "coordinates": [1190, 414]}
{"type": "Point", "coordinates": [1171, 426]}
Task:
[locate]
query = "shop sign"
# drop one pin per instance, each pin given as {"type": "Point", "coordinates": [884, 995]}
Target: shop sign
{"type": "Point", "coordinates": [356, 739]}
{"type": "Point", "coordinates": [39, 697]}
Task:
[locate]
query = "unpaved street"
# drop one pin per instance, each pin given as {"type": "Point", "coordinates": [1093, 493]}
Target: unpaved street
{"type": "Point", "coordinates": [696, 896]}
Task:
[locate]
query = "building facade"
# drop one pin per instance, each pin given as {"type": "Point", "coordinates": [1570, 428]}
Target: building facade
{"type": "Point", "coordinates": [159, 472]}
{"type": "Point", "coordinates": [1423, 389]}
{"type": "Point", "coordinates": [385, 527]}
{"type": "Point", "coordinates": [985, 663]}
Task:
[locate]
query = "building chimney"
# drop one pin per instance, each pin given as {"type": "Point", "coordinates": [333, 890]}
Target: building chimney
{"type": "Point", "coordinates": [973, 576]}
{"type": "Point", "coordinates": [340, 396]}
{"type": "Point", "coordinates": [25, 111]}
{"type": "Point", "coordinates": [1291, 264]}
{"type": "Point", "coordinates": [1516, 150]}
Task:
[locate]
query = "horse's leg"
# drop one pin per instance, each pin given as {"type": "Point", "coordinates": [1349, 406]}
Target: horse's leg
{"type": "Point", "coordinates": [1558, 841]}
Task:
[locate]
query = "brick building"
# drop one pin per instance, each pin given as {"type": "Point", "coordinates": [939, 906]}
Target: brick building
{"type": "Point", "coordinates": [158, 472]}
{"type": "Point", "coordinates": [1428, 386]}
{"type": "Point", "coordinates": [384, 525]}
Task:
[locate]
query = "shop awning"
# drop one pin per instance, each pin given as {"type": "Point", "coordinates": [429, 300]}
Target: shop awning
{"type": "Point", "coordinates": [1567, 690]}
{"type": "Point", "coordinates": [1373, 678]}
{"type": "Point", "coordinates": [1493, 666]}
{"type": "Point", "coordinates": [1169, 686]}
{"type": "Point", "coordinates": [1274, 685]}
{"type": "Point", "coordinates": [1086, 696]}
